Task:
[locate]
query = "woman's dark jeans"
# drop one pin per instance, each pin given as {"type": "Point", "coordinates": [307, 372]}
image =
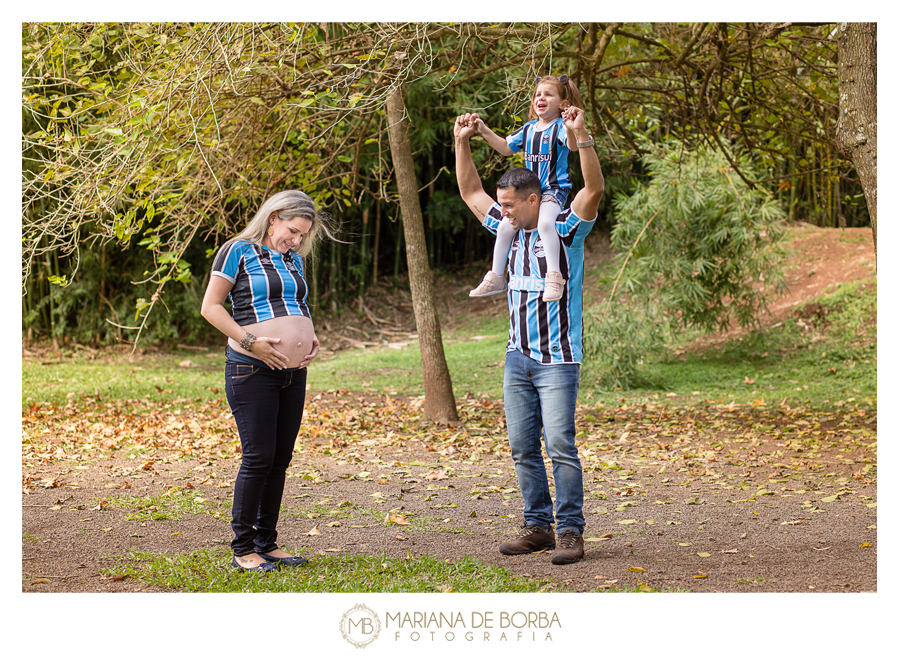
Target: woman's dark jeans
{"type": "Point", "coordinates": [268, 407]}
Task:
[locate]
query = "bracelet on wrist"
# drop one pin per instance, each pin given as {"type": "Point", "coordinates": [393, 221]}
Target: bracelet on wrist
{"type": "Point", "coordinates": [587, 144]}
{"type": "Point", "coordinates": [247, 341]}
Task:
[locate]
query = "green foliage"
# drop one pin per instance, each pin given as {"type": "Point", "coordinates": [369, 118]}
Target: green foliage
{"type": "Point", "coordinates": [697, 248]}
{"type": "Point", "coordinates": [618, 339]}
{"type": "Point", "coordinates": [160, 140]}
{"type": "Point", "coordinates": [698, 241]}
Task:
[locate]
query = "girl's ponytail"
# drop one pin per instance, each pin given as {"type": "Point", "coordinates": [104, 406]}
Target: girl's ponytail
{"type": "Point", "coordinates": [571, 91]}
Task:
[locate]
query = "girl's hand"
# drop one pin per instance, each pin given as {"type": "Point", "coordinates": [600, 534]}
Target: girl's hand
{"type": "Point", "coordinates": [464, 127]}
{"type": "Point", "coordinates": [312, 355]}
{"type": "Point", "coordinates": [573, 117]}
{"type": "Point", "coordinates": [263, 350]}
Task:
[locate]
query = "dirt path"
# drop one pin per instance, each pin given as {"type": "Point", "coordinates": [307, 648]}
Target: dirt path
{"type": "Point", "coordinates": [725, 499]}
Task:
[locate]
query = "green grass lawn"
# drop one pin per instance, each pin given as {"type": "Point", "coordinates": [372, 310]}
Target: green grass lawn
{"type": "Point", "coordinates": [208, 571]}
{"type": "Point", "coordinates": [827, 360]}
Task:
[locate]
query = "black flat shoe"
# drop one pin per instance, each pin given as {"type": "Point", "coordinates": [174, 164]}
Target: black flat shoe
{"type": "Point", "coordinates": [263, 566]}
{"type": "Point", "coordinates": [295, 561]}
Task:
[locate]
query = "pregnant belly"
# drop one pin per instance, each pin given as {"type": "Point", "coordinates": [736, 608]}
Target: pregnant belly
{"type": "Point", "coordinates": [296, 334]}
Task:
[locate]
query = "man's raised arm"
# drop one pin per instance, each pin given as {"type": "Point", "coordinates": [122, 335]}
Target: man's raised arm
{"type": "Point", "coordinates": [587, 200]}
{"type": "Point", "coordinates": [467, 178]}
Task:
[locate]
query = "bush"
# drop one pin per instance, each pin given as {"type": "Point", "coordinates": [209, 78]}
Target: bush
{"type": "Point", "coordinates": [698, 249]}
{"type": "Point", "coordinates": [618, 339]}
{"type": "Point", "coordinates": [699, 241]}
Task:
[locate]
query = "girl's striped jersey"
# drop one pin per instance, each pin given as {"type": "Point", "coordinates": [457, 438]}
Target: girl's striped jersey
{"type": "Point", "coordinates": [548, 332]}
{"type": "Point", "coordinates": [546, 153]}
{"type": "Point", "coordinates": [267, 284]}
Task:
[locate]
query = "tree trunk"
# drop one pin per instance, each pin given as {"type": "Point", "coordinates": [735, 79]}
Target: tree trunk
{"type": "Point", "coordinates": [857, 128]}
{"type": "Point", "coordinates": [439, 401]}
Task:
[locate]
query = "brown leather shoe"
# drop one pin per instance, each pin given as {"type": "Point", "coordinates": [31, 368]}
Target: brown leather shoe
{"type": "Point", "coordinates": [570, 549]}
{"type": "Point", "coordinates": [531, 539]}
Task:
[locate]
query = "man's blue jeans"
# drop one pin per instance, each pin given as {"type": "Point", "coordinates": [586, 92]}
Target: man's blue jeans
{"type": "Point", "coordinates": [540, 397]}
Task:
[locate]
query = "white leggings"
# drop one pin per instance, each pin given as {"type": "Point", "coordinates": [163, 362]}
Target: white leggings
{"type": "Point", "coordinates": [546, 229]}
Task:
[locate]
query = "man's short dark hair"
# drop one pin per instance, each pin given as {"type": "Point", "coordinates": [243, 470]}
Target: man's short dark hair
{"type": "Point", "coordinates": [524, 181]}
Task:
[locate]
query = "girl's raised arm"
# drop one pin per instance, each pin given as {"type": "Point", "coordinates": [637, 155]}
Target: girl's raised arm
{"type": "Point", "coordinates": [496, 141]}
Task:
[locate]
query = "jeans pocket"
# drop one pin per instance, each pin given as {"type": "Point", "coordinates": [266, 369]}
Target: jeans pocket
{"type": "Point", "coordinates": [239, 372]}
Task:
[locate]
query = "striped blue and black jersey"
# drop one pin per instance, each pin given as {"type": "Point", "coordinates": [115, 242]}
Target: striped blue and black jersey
{"type": "Point", "coordinates": [267, 284]}
{"type": "Point", "coordinates": [546, 153]}
{"type": "Point", "coordinates": [548, 332]}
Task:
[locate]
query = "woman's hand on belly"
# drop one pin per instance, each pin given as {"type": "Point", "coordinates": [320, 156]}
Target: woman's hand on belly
{"type": "Point", "coordinates": [295, 339]}
{"type": "Point", "coordinates": [312, 353]}
{"type": "Point", "coordinates": [263, 348]}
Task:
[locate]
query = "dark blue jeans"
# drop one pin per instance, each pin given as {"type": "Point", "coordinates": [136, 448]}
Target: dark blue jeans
{"type": "Point", "coordinates": [268, 407]}
{"type": "Point", "coordinates": [540, 400]}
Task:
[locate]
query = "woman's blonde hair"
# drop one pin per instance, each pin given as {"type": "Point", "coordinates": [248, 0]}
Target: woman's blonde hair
{"type": "Point", "coordinates": [568, 92]}
{"type": "Point", "coordinates": [287, 205]}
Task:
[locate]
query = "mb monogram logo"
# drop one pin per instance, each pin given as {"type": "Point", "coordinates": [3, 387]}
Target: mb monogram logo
{"type": "Point", "coordinates": [360, 626]}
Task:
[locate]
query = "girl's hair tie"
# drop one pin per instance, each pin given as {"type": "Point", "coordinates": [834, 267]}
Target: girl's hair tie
{"type": "Point", "coordinates": [564, 78]}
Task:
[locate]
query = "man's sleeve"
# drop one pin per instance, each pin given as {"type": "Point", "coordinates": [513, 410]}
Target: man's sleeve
{"type": "Point", "coordinates": [493, 218]}
{"type": "Point", "coordinates": [573, 229]}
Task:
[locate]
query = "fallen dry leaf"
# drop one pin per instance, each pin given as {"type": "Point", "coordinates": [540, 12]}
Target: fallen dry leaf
{"type": "Point", "coordinates": [397, 519]}
{"type": "Point", "coordinates": [315, 531]}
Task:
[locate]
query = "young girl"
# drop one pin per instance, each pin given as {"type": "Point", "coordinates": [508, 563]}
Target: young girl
{"type": "Point", "coordinates": [546, 143]}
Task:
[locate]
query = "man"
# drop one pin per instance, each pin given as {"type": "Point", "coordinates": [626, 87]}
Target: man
{"type": "Point", "coordinates": [543, 355]}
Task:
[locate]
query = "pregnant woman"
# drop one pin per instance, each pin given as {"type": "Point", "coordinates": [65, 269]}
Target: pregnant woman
{"type": "Point", "coordinates": [271, 341]}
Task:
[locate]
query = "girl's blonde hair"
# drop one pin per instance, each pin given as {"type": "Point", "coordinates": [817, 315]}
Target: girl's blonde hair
{"type": "Point", "coordinates": [568, 92]}
{"type": "Point", "coordinates": [287, 205]}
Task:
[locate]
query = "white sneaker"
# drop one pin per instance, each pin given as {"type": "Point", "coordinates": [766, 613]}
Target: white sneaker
{"type": "Point", "coordinates": [553, 286]}
{"type": "Point", "coordinates": [491, 284]}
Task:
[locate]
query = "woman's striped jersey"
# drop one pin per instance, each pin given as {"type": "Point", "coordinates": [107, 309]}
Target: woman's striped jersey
{"type": "Point", "coordinates": [546, 153]}
{"type": "Point", "coordinates": [267, 284]}
{"type": "Point", "coordinates": [548, 332]}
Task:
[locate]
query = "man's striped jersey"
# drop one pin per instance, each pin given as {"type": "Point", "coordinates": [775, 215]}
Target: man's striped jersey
{"type": "Point", "coordinates": [267, 284]}
{"type": "Point", "coordinates": [548, 332]}
{"type": "Point", "coordinates": [546, 153]}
